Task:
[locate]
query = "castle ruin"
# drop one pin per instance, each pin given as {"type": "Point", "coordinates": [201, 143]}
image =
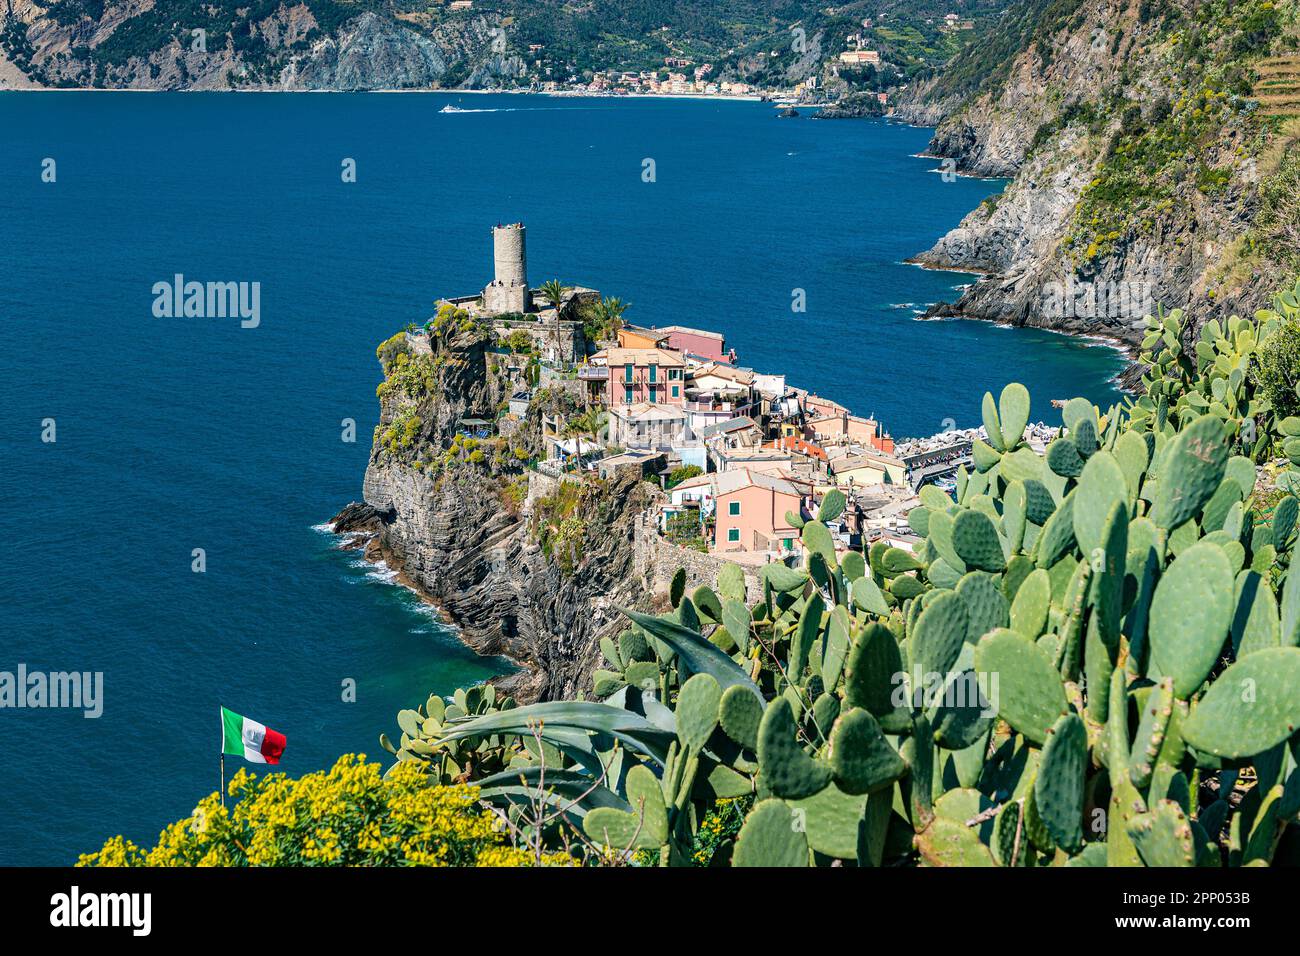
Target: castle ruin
{"type": "Point", "coordinates": [511, 306]}
{"type": "Point", "coordinates": [508, 291]}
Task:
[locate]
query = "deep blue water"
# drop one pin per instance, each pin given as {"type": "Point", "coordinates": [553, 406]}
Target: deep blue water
{"type": "Point", "coordinates": [176, 434]}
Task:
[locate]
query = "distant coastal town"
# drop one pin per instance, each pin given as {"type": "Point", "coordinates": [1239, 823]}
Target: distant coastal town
{"type": "Point", "coordinates": [681, 76]}
{"type": "Point", "coordinates": [857, 66]}
{"type": "Point", "coordinates": [744, 456]}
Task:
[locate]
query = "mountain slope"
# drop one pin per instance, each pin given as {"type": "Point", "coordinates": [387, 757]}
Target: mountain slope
{"type": "Point", "coordinates": [1149, 146]}
{"type": "Point", "coordinates": [369, 44]}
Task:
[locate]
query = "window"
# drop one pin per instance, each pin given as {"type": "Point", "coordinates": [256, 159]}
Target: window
{"type": "Point", "coordinates": [787, 543]}
{"type": "Point", "coordinates": [654, 373]}
{"type": "Point", "coordinates": [651, 393]}
{"type": "Point", "coordinates": [674, 373]}
{"type": "Point", "coordinates": [733, 534]}
{"type": "Point", "coordinates": [627, 372]}
{"type": "Point", "coordinates": [627, 395]}
{"type": "Point", "coordinates": [733, 508]}
{"type": "Point", "coordinates": [676, 390]}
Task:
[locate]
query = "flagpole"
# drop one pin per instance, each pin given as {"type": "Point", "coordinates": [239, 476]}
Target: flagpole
{"type": "Point", "coordinates": [222, 791]}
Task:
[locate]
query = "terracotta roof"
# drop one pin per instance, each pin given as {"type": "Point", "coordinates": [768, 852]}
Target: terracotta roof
{"type": "Point", "coordinates": [690, 331]}
{"type": "Point", "coordinates": [738, 375]}
{"type": "Point", "coordinates": [730, 425]}
{"type": "Point", "coordinates": [649, 411]}
{"type": "Point", "coordinates": [741, 478]}
{"type": "Point", "coordinates": [620, 356]}
{"type": "Point", "coordinates": [863, 460]}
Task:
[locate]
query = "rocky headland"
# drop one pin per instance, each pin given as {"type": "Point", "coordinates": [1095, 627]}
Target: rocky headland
{"type": "Point", "coordinates": [1140, 167]}
{"type": "Point", "coordinates": [479, 535]}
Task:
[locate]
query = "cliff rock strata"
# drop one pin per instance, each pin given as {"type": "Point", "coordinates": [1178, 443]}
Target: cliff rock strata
{"type": "Point", "coordinates": [1135, 170]}
{"type": "Point", "coordinates": [457, 537]}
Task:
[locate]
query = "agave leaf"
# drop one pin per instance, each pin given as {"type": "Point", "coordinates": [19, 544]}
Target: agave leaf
{"type": "Point", "coordinates": [699, 656]}
{"type": "Point", "coordinates": [568, 788]}
{"type": "Point", "coordinates": [631, 729]}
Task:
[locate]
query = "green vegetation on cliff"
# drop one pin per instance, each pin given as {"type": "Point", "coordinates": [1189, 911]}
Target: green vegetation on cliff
{"type": "Point", "coordinates": [1200, 128]}
{"type": "Point", "coordinates": [1052, 677]}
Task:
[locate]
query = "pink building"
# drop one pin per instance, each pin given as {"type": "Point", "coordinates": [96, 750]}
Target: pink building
{"type": "Point", "coordinates": [642, 375]}
{"type": "Point", "coordinates": [845, 427]}
{"type": "Point", "coordinates": [708, 345]}
{"type": "Point", "coordinates": [750, 512]}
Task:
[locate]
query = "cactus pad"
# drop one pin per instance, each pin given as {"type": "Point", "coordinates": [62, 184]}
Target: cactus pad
{"type": "Point", "coordinates": [771, 836]}
{"type": "Point", "coordinates": [740, 713]}
{"type": "Point", "coordinates": [862, 759]}
{"type": "Point", "coordinates": [1030, 695]}
{"type": "Point", "coordinates": [697, 711]}
{"type": "Point", "coordinates": [785, 768]}
{"type": "Point", "coordinates": [939, 634]}
{"type": "Point", "coordinates": [1163, 836]}
{"type": "Point", "coordinates": [1058, 788]}
{"type": "Point", "coordinates": [1190, 471]}
{"type": "Point", "coordinates": [1251, 707]}
{"type": "Point", "coordinates": [1190, 616]}
{"type": "Point", "coordinates": [976, 541]}
{"type": "Point", "coordinates": [1033, 601]}
{"type": "Point", "coordinates": [645, 828]}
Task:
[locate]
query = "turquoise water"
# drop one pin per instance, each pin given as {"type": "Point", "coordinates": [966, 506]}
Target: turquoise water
{"type": "Point", "coordinates": [175, 434]}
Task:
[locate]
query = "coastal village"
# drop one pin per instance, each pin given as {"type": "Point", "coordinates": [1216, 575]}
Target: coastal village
{"type": "Point", "coordinates": [742, 456]}
{"type": "Point", "coordinates": [684, 76]}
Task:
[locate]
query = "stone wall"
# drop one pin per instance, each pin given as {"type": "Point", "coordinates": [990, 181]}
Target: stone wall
{"type": "Point", "coordinates": [560, 342]}
{"type": "Point", "coordinates": [660, 558]}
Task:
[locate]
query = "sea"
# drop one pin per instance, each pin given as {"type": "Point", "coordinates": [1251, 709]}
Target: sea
{"type": "Point", "coordinates": [165, 480]}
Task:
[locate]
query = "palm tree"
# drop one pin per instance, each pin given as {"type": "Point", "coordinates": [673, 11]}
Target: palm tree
{"type": "Point", "coordinates": [553, 291]}
{"type": "Point", "coordinates": [609, 315]}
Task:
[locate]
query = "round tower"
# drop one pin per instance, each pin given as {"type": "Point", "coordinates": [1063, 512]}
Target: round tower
{"type": "Point", "coordinates": [509, 256]}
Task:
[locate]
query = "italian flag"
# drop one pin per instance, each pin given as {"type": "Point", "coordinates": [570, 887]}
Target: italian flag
{"type": "Point", "coordinates": [256, 743]}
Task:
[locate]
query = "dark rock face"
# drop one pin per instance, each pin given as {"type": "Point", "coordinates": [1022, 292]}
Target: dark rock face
{"type": "Point", "coordinates": [368, 52]}
{"type": "Point", "coordinates": [455, 542]}
{"type": "Point", "coordinates": [373, 53]}
{"type": "Point", "coordinates": [1021, 241]}
{"type": "Point", "coordinates": [460, 541]}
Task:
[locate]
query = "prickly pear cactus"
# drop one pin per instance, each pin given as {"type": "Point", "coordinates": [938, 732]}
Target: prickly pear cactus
{"type": "Point", "coordinates": [1084, 654]}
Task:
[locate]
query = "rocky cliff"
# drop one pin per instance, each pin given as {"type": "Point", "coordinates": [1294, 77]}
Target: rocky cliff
{"type": "Point", "coordinates": [142, 44]}
{"type": "Point", "coordinates": [391, 44]}
{"type": "Point", "coordinates": [536, 576]}
{"type": "Point", "coordinates": [1143, 169]}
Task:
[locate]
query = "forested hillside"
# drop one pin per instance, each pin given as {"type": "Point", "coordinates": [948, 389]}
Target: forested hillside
{"type": "Point", "coordinates": [367, 44]}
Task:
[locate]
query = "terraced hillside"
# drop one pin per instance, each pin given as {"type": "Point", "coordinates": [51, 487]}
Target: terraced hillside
{"type": "Point", "coordinates": [1278, 87]}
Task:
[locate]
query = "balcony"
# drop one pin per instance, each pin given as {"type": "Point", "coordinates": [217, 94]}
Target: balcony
{"type": "Point", "coordinates": [710, 405]}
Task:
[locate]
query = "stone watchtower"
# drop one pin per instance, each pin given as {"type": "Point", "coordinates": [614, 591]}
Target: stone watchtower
{"type": "Point", "coordinates": [508, 291]}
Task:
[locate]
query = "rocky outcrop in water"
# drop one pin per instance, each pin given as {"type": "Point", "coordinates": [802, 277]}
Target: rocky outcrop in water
{"type": "Point", "coordinates": [458, 537]}
{"type": "Point", "coordinates": [1099, 84]}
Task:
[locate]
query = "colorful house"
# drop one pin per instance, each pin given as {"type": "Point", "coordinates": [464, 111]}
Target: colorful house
{"type": "Point", "coordinates": [637, 375]}
{"type": "Point", "coordinates": [843, 427]}
{"type": "Point", "coordinates": [710, 346]}
{"type": "Point", "coordinates": [722, 380]}
{"type": "Point", "coordinates": [868, 468]}
{"type": "Point", "coordinates": [750, 510]}
{"type": "Point", "coordinates": [657, 425]}
{"type": "Point", "coordinates": [634, 337]}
